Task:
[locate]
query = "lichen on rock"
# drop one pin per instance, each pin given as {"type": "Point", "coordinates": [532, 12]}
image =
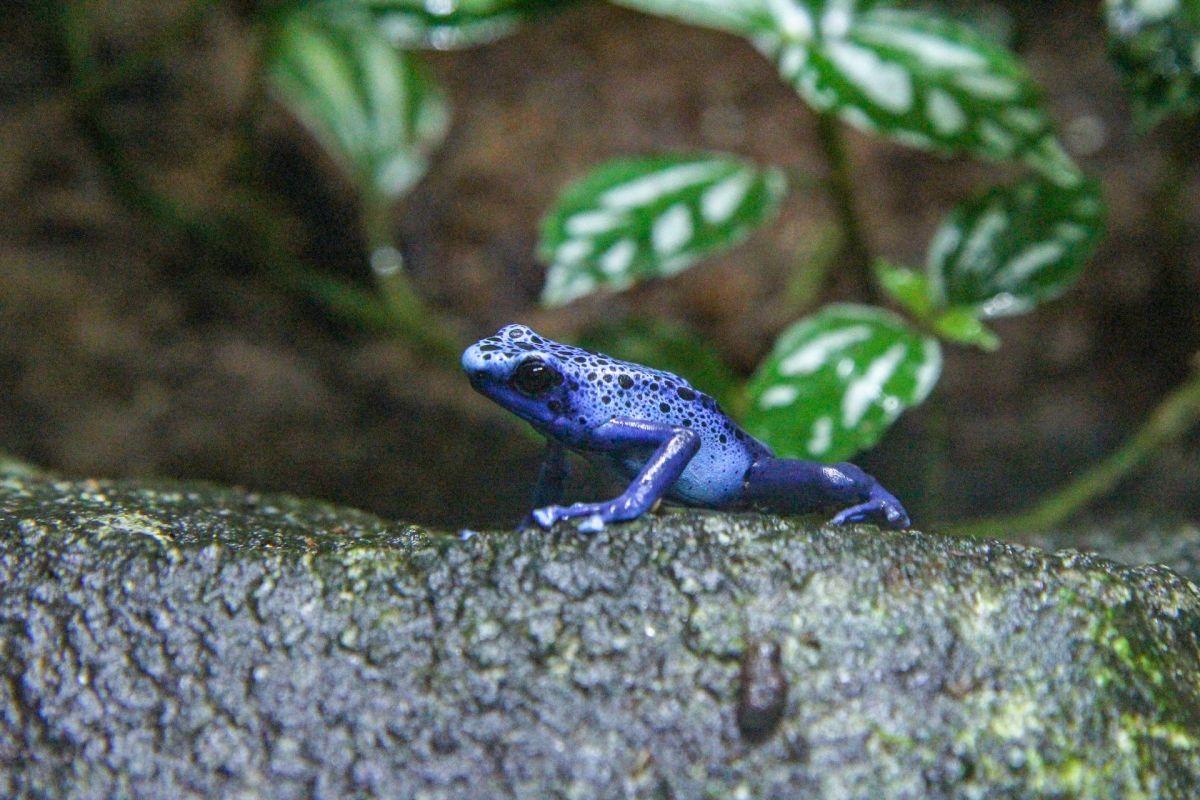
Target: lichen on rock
{"type": "Point", "coordinates": [168, 640]}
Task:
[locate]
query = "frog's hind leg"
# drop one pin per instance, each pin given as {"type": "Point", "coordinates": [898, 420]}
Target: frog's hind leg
{"type": "Point", "coordinates": [793, 486]}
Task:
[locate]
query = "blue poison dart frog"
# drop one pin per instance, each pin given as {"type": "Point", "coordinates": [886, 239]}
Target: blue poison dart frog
{"type": "Point", "coordinates": [670, 440]}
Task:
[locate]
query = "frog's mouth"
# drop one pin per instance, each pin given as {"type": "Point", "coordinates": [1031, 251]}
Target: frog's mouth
{"type": "Point", "coordinates": [486, 385]}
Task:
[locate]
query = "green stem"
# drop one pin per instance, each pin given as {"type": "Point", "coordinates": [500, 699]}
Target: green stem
{"type": "Point", "coordinates": [248, 237]}
{"type": "Point", "coordinates": [1173, 418]}
{"type": "Point", "coordinates": [96, 83]}
{"type": "Point", "coordinates": [937, 456]}
{"type": "Point", "coordinates": [1180, 410]}
{"type": "Point", "coordinates": [816, 259]}
{"type": "Point", "coordinates": [841, 190]}
{"type": "Point", "coordinates": [412, 315]}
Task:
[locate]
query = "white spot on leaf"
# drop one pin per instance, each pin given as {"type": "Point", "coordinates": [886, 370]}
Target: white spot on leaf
{"type": "Point", "coordinates": [1029, 261]}
{"type": "Point", "coordinates": [911, 138]}
{"type": "Point", "coordinates": [931, 50]}
{"type": "Point", "coordinates": [778, 396]}
{"type": "Point", "coordinates": [822, 436]}
{"type": "Point", "coordinates": [836, 20]}
{"type": "Point", "coordinates": [573, 251]}
{"type": "Point", "coordinates": [1000, 141]}
{"type": "Point", "coordinates": [793, 19]}
{"type": "Point", "coordinates": [928, 372]}
{"type": "Point", "coordinates": [1004, 303]}
{"type": "Point", "coordinates": [810, 89]}
{"type": "Point", "coordinates": [720, 201]}
{"type": "Point", "coordinates": [815, 354]}
{"type": "Point", "coordinates": [590, 223]}
{"type": "Point", "coordinates": [676, 263]}
{"type": "Point", "coordinates": [617, 258]}
{"type": "Point", "coordinates": [987, 86]}
{"type": "Point", "coordinates": [864, 391]}
{"type": "Point", "coordinates": [1070, 231]}
{"type": "Point", "coordinates": [792, 61]}
{"type": "Point", "coordinates": [944, 241]}
{"type": "Point", "coordinates": [562, 287]}
{"type": "Point", "coordinates": [1157, 9]}
{"type": "Point", "coordinates": [672, 229]}
{"type": "Point", "coordinates": [1049, 159]}
{"type": "Point", "coordinates": [649, 188]}
{"type": "Point", "coordinates": [945, 113]}
{"type": "Point", "coordinates": [886, 83]}
{"type": "Point", "coordinates": [1028, 120]}
{"type": "Point", "coordinates": [853, 115]}
{"type": "Point", "coordinates": [976, 253]}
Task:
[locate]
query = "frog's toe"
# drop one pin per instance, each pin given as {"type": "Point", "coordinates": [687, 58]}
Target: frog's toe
{"type": "Point", "coordinates": [851, 515]}
{"type": "Point", "coordinates": [892, 515]}
{"type": "Point", "coordinates": [546, 517]}
{"type": "Point", "coordinates": [531, 521]}
{"type": "Point", "coordinates": [896, 517]}
{"type": "Point", "coordinates": [592, 524]}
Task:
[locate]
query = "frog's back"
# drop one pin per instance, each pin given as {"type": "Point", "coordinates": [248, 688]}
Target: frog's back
{"type": "Point", "coordinates": [622, 389]}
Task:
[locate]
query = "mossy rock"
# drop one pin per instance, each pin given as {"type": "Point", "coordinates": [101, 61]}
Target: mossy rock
{"type": "Point", "coordinates": [188, 641]}
{"type": "Point", "coordinates": [1133, 539]}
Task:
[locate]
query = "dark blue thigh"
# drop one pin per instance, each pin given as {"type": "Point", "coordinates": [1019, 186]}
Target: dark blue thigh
{"type": "Point", "coordinates": [792, 486]}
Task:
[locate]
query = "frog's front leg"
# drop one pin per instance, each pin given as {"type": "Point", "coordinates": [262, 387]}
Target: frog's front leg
{"type": "Point", "coordinates": [551, 481]}
{"type": "Point", "coordinates": [675, 448]}
{"type": "Point", "coordinates": [552, 477]}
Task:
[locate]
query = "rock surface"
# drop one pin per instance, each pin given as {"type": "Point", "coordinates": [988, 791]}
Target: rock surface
{"type": "Point", "coordinates": [1135, 539]}
{"type": "Point", "coordinates": [188, 641]}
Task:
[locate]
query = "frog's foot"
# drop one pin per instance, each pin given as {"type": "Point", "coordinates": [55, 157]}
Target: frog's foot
{"type": "Point", "coordinates": [549, 516]}
{"type": "Point", "coordinates": [882, 508]}
{"type": "Point", "coordinates": [594, 515]}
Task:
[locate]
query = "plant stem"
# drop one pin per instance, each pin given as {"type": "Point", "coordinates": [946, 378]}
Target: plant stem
{"type": "Point", "coordinates": [95, 83]}
{"type": "Point", "coordinates": [1175, 414]}
{"type": "Point", "coordinates": [817, 258]}
{"type": "Point", "coordinates": [936, 433]}
{"type": "Point", "coordinates": [841, 190]}
{"type": "Point", "coordinates": [1173, 417]}
{"type": "Point", "coordinates": [412, 315]}
{"type": "Point", "coordinates": [248, 237]}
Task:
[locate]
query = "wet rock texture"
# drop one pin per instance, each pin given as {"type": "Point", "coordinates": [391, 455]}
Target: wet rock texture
{"type": "Point", "coordinates": [189, 641]}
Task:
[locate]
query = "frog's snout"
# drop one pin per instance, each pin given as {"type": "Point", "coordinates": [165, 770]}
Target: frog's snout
{"type": "Point", "coordinates": [473, 362]}
{"type": "Point", "coordinates": [482, 364]}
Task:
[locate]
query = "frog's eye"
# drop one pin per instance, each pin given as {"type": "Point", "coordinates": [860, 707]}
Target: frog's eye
{"type": "Point", "coordinates": [535, 377]}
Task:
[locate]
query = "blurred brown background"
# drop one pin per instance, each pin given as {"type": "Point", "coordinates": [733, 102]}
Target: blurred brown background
{"type": "Point", "coordinates": [127, 350]}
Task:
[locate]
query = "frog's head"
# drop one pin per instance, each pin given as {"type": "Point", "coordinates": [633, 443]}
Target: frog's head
{"type": "Point", "coordinates": [522, 371]}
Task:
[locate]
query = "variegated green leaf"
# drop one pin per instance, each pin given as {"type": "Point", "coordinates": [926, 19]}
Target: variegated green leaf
{"type": "Point", "coordinates": [992, 19]}
{"type": "Point", "coordinates": [1015, 246]}
{"type": "Point", "coordinates": [915, 77]}
{"type": "Point", "coordinates": [368, 103]}
{"type": "Point", "coordinates": [633, 219]}
{"type": "Point", "coordinates": [745, 17]}
{"type": "Point", "coordinates": [914, 293]}
{"type": "Point", "coordinates": [836, 380]}
{"type": "Point", "coordinates": [962, 325]}
{"type": "Point", "coordinates": [908, 288]}
{"type": "Point", "coordinates": [450, 24]}
{"type": "Point", "coordinates": [1156, 43]}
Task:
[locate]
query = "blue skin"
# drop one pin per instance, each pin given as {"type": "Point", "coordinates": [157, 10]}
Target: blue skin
{"type": "Point", "coordinates": [670, 440]}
